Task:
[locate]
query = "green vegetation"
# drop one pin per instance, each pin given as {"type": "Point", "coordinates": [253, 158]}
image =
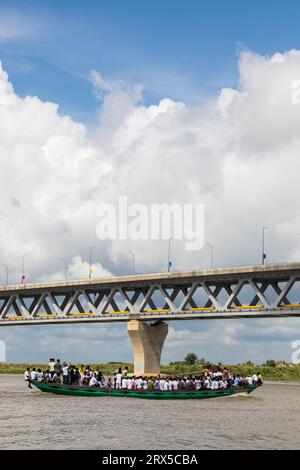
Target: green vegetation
{"type": "Point", "coordinates": [191, 359]}
{"type": "Point", "coordinates": [271, 370]}
{"type": "Point", "coordinates": [107, 369]}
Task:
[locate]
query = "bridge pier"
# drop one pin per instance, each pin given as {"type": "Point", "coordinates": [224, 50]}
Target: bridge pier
{"type": "Point", "coordinates": [147, 342]}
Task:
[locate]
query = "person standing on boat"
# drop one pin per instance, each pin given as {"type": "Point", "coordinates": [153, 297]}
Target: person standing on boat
{"type": "Point", "coordinates": [124, 383]}
{"type": "Point", "coordinates": [119, 379]}
{"type": "Point", "coordinates": [65, 370]}
{"type": "Point", "coordinates": [58, 369]}
{"type": "Point", "coordinates": [27, 377]}
{"type": "Point", "coordinates": [125, 372]}
{"type": "Point", "coordinates": [81, 371]}
{"type": "Point", "coordinates": [52, 367]}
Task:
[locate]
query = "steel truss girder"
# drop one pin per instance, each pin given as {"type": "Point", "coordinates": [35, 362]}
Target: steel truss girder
{"type": "Point", "coordinates": [176, 299]}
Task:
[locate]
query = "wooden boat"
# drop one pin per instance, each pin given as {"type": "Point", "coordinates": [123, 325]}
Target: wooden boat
{"type": "Point", "coordinates": [73, 390]}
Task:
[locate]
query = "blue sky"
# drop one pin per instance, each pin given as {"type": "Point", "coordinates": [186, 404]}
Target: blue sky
{"type": "Point", "coordinates": [183, 50]}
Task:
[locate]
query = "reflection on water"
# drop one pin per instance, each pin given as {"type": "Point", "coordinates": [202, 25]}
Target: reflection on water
{"type": "Point", "coordinates": [267, 419]}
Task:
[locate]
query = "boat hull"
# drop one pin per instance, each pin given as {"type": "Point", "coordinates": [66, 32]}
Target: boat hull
{"type": "Point", "coordinates": [72, 390]}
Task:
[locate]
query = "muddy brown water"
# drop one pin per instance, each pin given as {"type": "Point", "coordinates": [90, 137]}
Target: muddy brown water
{"type": "Point", "coordinates": [267, 419]}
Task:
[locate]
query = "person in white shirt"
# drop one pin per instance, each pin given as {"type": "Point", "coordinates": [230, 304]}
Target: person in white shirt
{"type": "Point", "coordinates": [119, 379]}
{"type": "Point", "coordinates": [145, 384]}
{"type": "Point", "coordinates": [175, 384]}
{"type": "Point", "coordinates": [39, 375]}
{"type": "Point", "coordinates": [207, 383]}
{"type": "Point", "coordinates": [255, 378]}
{"type": "Point", "coordinates": [129, 384]}
{"type": "Point", "coordinates": [27, 377]}
{"type": "Point", "coordinates": [214, 385]}
{"type": "Point", "coordinates": [166, 385]}
{"type": "Point", "coordinates": [124, 383]}
{"type": "Point", "coordinates": [65, 370]}
{"type": "Point", "coordinates": [236, 382]}
{"type": "Point", "coordinates": [93, 381]}
{"type": "Point", "coordinates": [33, 374]}
{"type": "Point", "coordinates": [139, 383]}
{"type": "Point", "coordinates": [198, 383]}
{"type": "Point", "coordinates": [162, 384]}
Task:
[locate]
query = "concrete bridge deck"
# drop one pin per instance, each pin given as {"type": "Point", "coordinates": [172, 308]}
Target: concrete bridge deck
{"type": "Point", "coordinates": [233, 292]}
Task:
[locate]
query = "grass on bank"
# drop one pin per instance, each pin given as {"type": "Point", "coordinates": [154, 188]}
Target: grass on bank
{"type": "Point", "coordinates": [277, 371]}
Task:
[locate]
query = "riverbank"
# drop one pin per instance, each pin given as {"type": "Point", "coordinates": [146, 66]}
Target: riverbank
{"type": "Point", "coordinates": [282, 373]}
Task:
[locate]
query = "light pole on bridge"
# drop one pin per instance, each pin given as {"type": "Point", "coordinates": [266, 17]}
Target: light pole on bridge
{"type": "Point", "coordinates": [133, 260]}
{"type": "Point", "coordinates": [263, 256]}
{"type": "Point", "coordinates": [211, 254]}
{"type": "Point", "coordinates": [23, 267]}
{"type": "Point", "coordinates": [66, 267]}
{"type": "Point", "coordinates": [169, 254]}
{"type": "Point", "coordinates": [90, 269]}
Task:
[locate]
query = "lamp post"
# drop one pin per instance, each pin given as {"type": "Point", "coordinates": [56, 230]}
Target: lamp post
{"type": "Point", "coordinates": [211, 254]}
{"type": "Point", "coordinates": [90, 270]}
{"type": "Point", "coordinates": [263, 255]}
{"type": "Point", "coordinates": [133, 260]}
{"type": "Point", "coordinates": [169, 254]}
{"type": "Point", "coordinates": [66, 267]}
{"type": "Point", "coordinates": [6, 268]}
{"type": "Point", "coordinates": [23, 266]}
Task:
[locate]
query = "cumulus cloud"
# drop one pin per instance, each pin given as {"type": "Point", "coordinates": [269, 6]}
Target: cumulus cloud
{"type": "Point", "coordinates": [238, 154]}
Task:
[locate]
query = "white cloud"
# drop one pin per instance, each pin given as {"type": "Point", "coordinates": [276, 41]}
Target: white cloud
{"type": "Point", "coordinates": [237, 154]}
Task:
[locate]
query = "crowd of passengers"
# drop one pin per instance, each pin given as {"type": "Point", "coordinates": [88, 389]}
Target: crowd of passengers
{"type": "Point", "coordinates": [69, 374]}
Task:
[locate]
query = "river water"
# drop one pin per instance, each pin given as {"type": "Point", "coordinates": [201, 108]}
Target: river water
{"type": "Point", "coordinates": [30, 419]}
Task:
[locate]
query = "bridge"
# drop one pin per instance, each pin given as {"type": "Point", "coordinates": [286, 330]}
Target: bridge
{"type": "Point", "coordinates": [147, 301]}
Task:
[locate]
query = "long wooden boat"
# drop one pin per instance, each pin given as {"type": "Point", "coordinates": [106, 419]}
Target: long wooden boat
{"type": "Point", "coordinates": [73, 390]}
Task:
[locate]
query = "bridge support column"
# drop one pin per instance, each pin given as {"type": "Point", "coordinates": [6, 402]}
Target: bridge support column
{"type": "Point", "coordinates": [147, 342]}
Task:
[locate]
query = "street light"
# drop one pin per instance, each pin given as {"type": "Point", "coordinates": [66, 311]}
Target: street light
{"type": "Point", "coordinates": [90, 270]}
{"type": "Point", "coordinates": [169, 254]}
{"type": "Point", "coordinates": [133, 260]}
{"type": "Point", "coordinates": [211, 254]}
{"type": "Point", "coordinates": [263, 255]}
{"type": "Point", "coordinates": [23, 264]}
{"type": "Point", "coordinates": [6, 267]}
{"type": "Point", "coordinates": [66, 267]}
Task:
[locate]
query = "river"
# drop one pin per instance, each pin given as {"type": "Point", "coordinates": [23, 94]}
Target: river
{"type": "Point", "coordinates": [267, 419]}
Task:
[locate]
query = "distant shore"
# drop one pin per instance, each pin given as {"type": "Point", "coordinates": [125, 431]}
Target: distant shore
{"type": "Point", "coordinates": [280, 373]}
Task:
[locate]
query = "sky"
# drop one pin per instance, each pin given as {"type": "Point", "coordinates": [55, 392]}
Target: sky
{"type": "Point", "coordinates": [162, 102]}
